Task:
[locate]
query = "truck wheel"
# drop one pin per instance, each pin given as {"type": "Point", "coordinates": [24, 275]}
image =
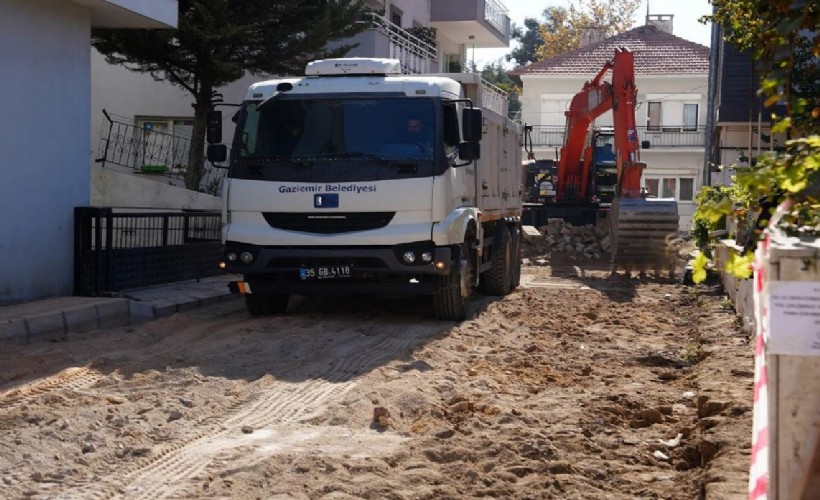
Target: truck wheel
{"type": "Point", "coordinates": [515, 235]}
{"type": "Point", "coordinates": [264, 304]}
{"type": "Point", "coordinates": [449, 300]}
{"type": "Point", "coordinates": [497, 279]}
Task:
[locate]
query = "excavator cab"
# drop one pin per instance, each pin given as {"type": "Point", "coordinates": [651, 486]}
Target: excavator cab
{"type": "Point", "coordinates": [605, 169]}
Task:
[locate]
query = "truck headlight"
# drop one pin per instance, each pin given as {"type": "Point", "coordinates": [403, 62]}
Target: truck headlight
{"type": "Point", "coordinates": [408, 257]}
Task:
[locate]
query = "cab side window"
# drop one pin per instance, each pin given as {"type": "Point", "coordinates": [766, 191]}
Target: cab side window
{"type": "Point", "coordinates": [451, 130]}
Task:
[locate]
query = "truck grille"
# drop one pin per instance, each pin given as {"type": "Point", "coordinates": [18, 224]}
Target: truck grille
{"type": "Point", "coordinates": [328, 223]}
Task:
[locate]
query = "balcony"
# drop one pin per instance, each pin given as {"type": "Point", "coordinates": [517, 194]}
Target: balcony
{"type": "Point", "coordinates": [388, 40]}
{"type": "Point", "coordinates": [674, 137]}
{"type": "Point", "coordinates": [479, 23]}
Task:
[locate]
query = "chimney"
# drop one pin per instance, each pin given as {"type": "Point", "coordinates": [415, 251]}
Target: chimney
{"type": "Point", "coordinates": [592, 35]}
{"type": "Point", "coordinates": [663, 22]}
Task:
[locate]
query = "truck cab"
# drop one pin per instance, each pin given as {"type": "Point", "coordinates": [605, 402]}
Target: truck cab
{"type": "Point", "coordinates": [358, 179]}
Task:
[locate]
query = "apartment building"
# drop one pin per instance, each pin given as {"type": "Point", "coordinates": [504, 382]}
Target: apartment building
{"type": "Point", "coordinates": [740, 125]}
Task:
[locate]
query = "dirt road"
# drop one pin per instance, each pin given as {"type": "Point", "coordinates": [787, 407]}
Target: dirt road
{"type": "Point", "coordinates": [574, 386]}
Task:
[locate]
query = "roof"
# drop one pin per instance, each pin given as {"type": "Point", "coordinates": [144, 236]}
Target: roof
{"type": "Point", "coordinates": [656, 53]}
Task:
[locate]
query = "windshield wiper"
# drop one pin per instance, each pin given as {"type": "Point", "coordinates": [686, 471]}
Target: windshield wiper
{"type": "Point", "coordinates": [354, 155]}
{"type": "Point", "coordinates": [282, 158]}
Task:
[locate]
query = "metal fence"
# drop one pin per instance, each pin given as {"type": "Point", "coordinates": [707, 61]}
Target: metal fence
{"type": "Point", "coordinates": [116, 251]}
{"type": "Point", "coordinates": [152, 152]}
{"type": "Point", "coordinates": [658, 137]}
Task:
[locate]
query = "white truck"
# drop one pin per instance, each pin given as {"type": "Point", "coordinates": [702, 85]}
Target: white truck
{"type": "Point", "coordinates": [358, 179]}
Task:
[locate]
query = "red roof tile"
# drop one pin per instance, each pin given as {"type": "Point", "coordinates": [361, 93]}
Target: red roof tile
{"type": "Point", "coordinates": [656, 53]}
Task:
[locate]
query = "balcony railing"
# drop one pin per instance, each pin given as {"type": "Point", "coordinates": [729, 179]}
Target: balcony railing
{"type": "Point", "coordinates": [494, 98]}
{"type": "Point", "coordinates": [677, 136]}
{"type": "Point", "coordinates": [151, 152]}
{"type": "Point", "coordinates": [497, 15]}
{"type": "Point", "coordinates": [658, 137]}
{"type": "Point", "coordinates": [416, 55]}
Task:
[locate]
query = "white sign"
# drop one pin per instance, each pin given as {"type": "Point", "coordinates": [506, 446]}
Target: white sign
{"type": "Point", "coordinates": [794, 318]}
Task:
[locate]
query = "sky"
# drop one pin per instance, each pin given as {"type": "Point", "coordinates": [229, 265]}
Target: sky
{"type": "Point", "coordinates": [686, 25]}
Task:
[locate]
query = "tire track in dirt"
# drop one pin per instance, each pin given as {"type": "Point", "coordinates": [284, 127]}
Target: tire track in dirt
{"type": "Point", "coordinates": [83, 377]}
{"type": "Point", "coordinates": [278, 404]}
{"type": "Point", "coordinates": [74, 378]}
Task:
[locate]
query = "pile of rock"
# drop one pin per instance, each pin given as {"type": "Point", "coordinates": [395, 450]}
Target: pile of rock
{"type": "Point", "coordinates": [588, 241]}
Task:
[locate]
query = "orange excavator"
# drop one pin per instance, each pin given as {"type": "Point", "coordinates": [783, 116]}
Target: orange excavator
{"type": "Point", "coordinates": [599, 172]}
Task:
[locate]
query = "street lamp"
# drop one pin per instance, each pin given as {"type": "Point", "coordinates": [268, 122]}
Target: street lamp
{"type": "Point", "coordinates": [472, 37]}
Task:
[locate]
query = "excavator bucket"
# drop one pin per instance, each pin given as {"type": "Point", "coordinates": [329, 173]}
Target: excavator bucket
{"type": "Point", "coordinates": [642, 234]}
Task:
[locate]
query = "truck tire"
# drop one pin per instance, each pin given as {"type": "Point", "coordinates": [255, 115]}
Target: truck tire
{"type": "Point", "coordinates": [449, 301]}
{"type": "Point", "coordinates": [498, 278]}
{"type": "Point", "coordinates": [515, 236]}
{"type": "Point", "coordinates": [265, 304]}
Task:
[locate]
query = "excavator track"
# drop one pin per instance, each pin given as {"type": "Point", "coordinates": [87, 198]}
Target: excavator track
{"type": "Point", "coordinates": [642, 235]}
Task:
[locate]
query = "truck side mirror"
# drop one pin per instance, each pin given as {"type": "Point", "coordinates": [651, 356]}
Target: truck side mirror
{"type": "Point", "coordinates": [217, 153]}
{"type": "Point", "coordinates": [469, 151]}
{"type": "Point", "coordinates": [472, 124]}
{"type": "Point", "coordinates": [214, 127]}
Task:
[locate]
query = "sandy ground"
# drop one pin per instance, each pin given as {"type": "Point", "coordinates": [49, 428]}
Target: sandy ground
{"type": "Point", "coordinates": [574, 386]}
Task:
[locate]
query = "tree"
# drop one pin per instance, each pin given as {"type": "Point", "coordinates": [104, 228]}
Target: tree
{"type": "Point", "coordinates": [217, 41]}
{"type": "Point", "coordinates": [782, 35]}
{"type": "Point", "coordinates": [563, 27]}
{"type": "Point", "coordinates": [529, 39]}
{"type": "Point", "coordinates": [496, 73]}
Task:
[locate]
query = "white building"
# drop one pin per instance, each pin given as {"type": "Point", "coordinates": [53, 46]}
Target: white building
{"type": "Point", "coordinates": [44, 131]}
{"type": "Point", "coordinates": [157, 108]}
{"type": "Point", "coordinates": [672, 79]}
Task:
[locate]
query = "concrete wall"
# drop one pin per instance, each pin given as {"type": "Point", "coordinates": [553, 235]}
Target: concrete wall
{"type": "Point", "coordinates": [44, 133]}
{"type": "Point", "coordinates": [413, 10]}
{"type": "Point", "coordinates": [740, 291]}
{"type": "Point", "coordinates": [43, 143]}
{"type": "Point", "coordinates": [110, 188]}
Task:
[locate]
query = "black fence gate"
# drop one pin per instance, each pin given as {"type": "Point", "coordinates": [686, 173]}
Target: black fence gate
{"type": "Point", "coordinates": [116, 251]}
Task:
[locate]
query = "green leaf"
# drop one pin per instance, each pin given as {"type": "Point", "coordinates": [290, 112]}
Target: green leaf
{"type": "Point", "coordinates": [782, 126]}
{"type": "Point", "coordinates": [699, 268]}
{"type": "Point", "coordinates": [740, 265]}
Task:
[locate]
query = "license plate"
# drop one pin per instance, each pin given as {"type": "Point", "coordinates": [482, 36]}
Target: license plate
{"type": "Point", "coordinates": [324, 272]}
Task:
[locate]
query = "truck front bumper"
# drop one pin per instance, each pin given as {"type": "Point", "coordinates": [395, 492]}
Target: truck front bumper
{"type": "Point", "coordinates": [312, 270]}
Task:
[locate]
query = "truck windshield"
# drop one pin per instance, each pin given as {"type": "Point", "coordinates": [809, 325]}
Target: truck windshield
{"type": "Point", "coordinates": [329, 128]}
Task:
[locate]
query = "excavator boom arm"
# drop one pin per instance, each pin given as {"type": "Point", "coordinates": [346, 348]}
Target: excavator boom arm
{"type": "Point", "coordinates": [596, 98]}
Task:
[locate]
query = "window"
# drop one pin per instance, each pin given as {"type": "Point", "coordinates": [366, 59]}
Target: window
{"type": "Point", "coordinates": [164, 141]}
{"type": "Point", "coordinates": [395, 15]}
{"type": "Point", "coordinates": [653, 119]}
{"type": "Point", "coordinates": [690, 116]}
{"type": "Point", "coordinates": [333, 128]}
{"type": "Point", "coordinates": [452, 134]}
{"type": "Point", "coordinates": [680, 188]}
{"type": "Point", "coordinates": [687, 189]}
{"type": "Point", "coordinates": [652, 186]}
{"type": "Point", "coordinates": [668, 187]}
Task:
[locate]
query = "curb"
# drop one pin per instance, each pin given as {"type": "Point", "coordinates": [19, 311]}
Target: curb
{"type": "Point", "coordinates": [140, 307]}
